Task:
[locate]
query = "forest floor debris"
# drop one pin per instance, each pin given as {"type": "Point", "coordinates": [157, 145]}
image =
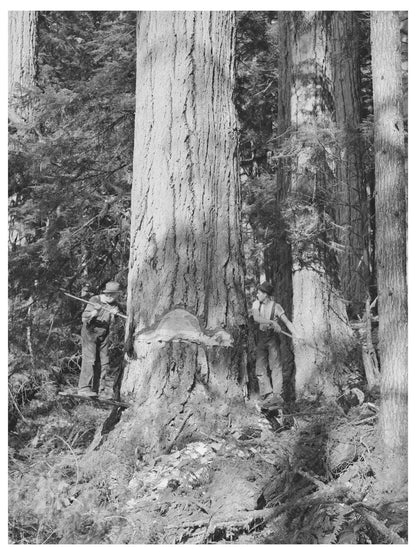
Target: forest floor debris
{"type": "Point", "coordinates": [312, 482]}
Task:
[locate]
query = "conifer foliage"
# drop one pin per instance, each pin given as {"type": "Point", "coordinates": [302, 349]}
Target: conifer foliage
{"type": "Point", "coordinates": [70, 171]}
{"type": "Point", "coordinates": [69, 184]}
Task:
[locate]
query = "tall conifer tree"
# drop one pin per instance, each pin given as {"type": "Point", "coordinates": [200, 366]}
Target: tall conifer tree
{"type": "Point", "coordinates": [306, 188]}
{"type": "Point", "coordinates": [185, 294]}
{"type": "Point", "coordinates": [351, 198]}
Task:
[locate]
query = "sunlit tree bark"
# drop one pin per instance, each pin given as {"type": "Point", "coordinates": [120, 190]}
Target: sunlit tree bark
{"type": "Point", "coordinates": [186, 329]}
{"type": "Point", "coordinates": [390, 244]}
{"type": "Point", "coordinates": [22, 68]}
{"type": "Point", "coordinates": [306, 191]}
{"type": "Point", "coordinates": [21, 80]}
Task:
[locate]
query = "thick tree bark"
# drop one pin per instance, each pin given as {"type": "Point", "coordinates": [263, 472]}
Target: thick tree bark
{"type": "Point", "coordinates": [390, 244]}
{"type": "Point", "coordinates": [187, 315]}
{"type": "Point", "coordinates": [306, 109]}
{"type": "Point", "coordinates": [351, 203]}
{"type": "Point", "coordinates": [22, 68]}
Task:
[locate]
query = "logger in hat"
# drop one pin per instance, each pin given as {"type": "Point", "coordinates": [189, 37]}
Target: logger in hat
{"type": "Point", "coordinates": [97, 318]}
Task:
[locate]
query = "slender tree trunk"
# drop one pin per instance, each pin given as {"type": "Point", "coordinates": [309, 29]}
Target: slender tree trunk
{"type": "Point", "coordinates": [22, 69]}
{"type": "Point", "coordinates": [187, 315]}
{"type": "Point", "coordinates": [351, 203]}
{"type": "Point", "coordinates": [390, 244]}
{"type": "Point", "coordinates": [21, 79]}
{"type": "Point", "coordinates": [282, 251]}
{"type": "Point", "coordinates": [306, 191]}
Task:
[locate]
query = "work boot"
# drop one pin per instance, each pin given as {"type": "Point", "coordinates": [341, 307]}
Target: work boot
{"type": "Point", "coordinates": [261, 400]}
{"type": "Point", "coordinates": [87, 393]}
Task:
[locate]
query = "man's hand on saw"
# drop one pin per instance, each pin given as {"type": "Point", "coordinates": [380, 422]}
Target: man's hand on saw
{"type": "Point", "coordinates": [276, 327]}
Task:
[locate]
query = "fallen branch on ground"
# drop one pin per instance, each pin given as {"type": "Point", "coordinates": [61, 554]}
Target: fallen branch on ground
{"type": "Point", "coordinates": [250, 518]}
{"type": "Point", "coordinates": [378, 526]}
{"type": "Point", "coordinates": [16, 406]}
{"type": "Point", "coordinates": [325, 496]}
{"type": "Point", "coordinates": [364, 420]}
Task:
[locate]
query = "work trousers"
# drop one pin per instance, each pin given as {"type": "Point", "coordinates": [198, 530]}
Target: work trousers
{"type": "Point", "coordinates": [268, 357]}
{"type": "Point", "coordinates": [95, 358]}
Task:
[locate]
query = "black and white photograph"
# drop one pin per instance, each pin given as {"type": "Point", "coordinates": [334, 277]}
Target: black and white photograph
{"type": "Point", "coordinates": [207, 275]}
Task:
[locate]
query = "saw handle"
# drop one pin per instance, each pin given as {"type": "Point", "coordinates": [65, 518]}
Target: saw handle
{"type": "Point", "coordinates": [120, 314]}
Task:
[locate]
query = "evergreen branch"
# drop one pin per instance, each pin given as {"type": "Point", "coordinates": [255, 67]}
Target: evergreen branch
{"type": "Point", "coordinates": [378, 526]}
{"type": "Point", "coordinates": [75, 178]}
{"type": "Point", "coordinates": [264, 90]}
{"type": "Point", "coordinates": [325, 496]}
{"type": "Point", "coordinates": [73, 454]}
{"type": "Point", "coordinates": [16, 406]}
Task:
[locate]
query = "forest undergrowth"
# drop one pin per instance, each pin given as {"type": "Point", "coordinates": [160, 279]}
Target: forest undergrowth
{"type": "Point", "coordinates": [308, 477]}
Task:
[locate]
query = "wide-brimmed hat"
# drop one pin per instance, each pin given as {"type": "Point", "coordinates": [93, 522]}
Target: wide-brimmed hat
{"type": "Point", "coordinates": [112, 287]}
{"type": "Point", "coordinates": [266, 287]}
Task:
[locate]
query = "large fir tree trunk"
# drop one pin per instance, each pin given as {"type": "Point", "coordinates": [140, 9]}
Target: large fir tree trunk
{"type": "Point", "coordinates": [319, 314]}
{"type": "Point", "coordinates": [390, 244]}
{"type": "Point", "coordinates": [22, 69]}
{"type": "Point", "coordinates": [187, 317]}
{"type": "Point", "coordinates": [351, 202]}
